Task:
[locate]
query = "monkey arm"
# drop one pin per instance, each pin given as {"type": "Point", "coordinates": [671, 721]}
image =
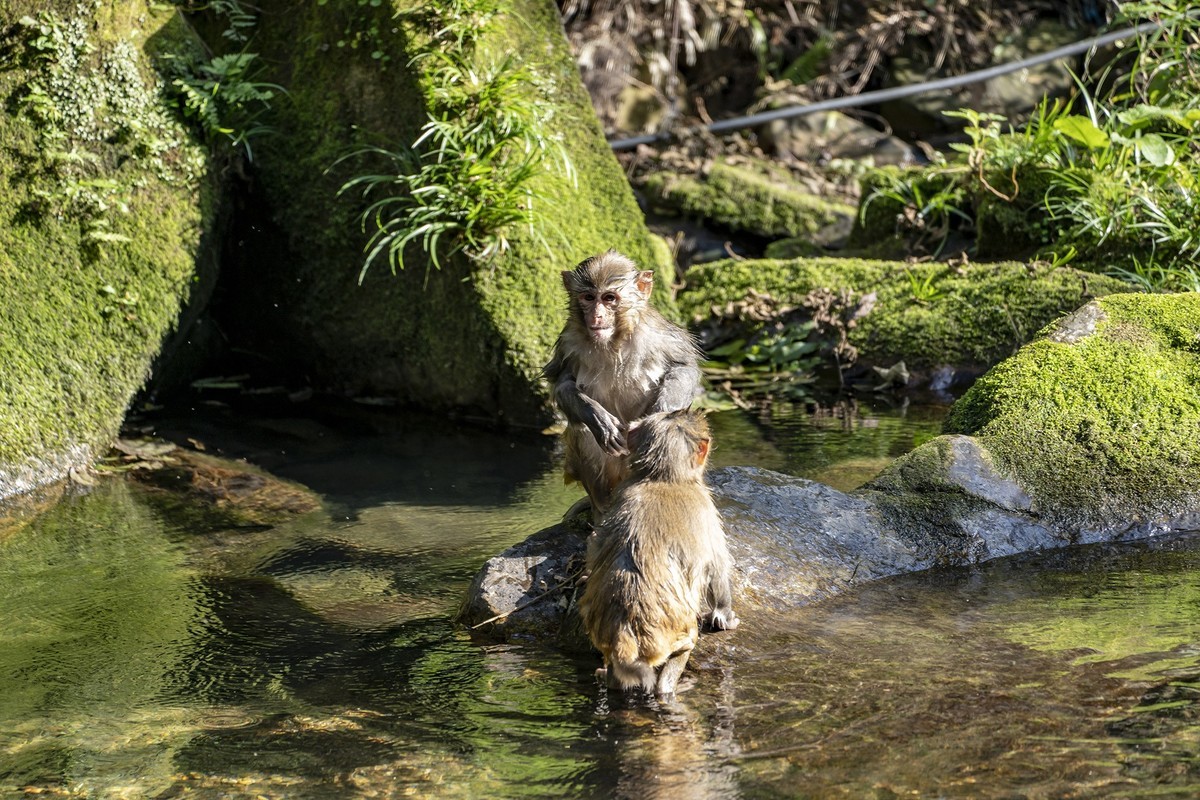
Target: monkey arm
{"type": "Point", "coordinates": [678, 388]}
{"type": "Point", "coordinates": [578, 407]}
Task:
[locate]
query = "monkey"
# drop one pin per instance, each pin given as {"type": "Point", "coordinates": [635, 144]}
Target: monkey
{"type": "Point", "coordinates": [658, 559]}
{"type": "Point", "coordinates": [617, 359]}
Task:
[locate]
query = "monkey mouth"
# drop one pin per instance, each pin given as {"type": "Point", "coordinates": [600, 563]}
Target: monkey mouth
{"type": "Point", "coordinates": [600, 334]}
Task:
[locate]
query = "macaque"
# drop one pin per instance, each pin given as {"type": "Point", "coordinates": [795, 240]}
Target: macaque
{"type": "Point", "coordinates": [658, 560]}
{"type": "Point", "coordinates": [617, 359]}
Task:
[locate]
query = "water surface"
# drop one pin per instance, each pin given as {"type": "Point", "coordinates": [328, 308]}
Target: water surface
{"type": "Point", "coordinates": [144, 653]}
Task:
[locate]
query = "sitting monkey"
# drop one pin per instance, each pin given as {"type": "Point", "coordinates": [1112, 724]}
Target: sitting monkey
{"type": "Point", "coordinates": [658, 560]}
{"type": "Point", "coordinates": [617, 359]}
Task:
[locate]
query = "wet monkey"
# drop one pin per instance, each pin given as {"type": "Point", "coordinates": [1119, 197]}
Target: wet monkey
{"type": "Point", "coordinates": [617, 359]}
{"type": "Point", "coordinates": [658, 561]}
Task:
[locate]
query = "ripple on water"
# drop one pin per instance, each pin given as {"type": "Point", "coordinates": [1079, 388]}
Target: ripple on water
{"type": "Point", "coordinates": [319, 660]}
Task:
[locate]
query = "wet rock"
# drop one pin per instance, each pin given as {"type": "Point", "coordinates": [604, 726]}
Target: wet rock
{"type": "Point", "coordinates": [234, 491]}
{"type": "Point", "coordinates": [525, 591]}
{"type": "Point", "coordinates": [794, 540]}
{"type": "Point", "coordinates": [1088, 434]}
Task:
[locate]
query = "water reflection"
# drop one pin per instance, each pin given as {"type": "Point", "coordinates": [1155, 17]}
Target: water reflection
{"type": "Point", "coordinates": [843, 444]}
{"type": "Point", "coordinates": [145, 655]}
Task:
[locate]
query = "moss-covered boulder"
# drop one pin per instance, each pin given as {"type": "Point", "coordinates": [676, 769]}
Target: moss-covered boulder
{"type": "Point", "coordinates": [104, 210]}
{"type": "Point", "coordinates": [470, 336]}
{"type": "Point", "coordinates": [1099, 419]}
{"type": "Point", "coordinates": [752, 197]}
{"type": "Point", "coordinates": [925, 314]}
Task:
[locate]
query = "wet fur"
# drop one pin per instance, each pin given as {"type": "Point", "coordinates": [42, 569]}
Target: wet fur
{"type": "Point", "coordinates": [659, 559]}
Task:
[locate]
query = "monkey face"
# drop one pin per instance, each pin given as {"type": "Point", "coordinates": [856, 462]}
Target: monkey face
{"type": "Point", "coordinates": [599, 313]}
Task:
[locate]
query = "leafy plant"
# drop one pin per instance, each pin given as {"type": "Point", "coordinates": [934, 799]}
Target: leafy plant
{"type": "Point", "coordinates": [927, 216]}
{"type": "Point", "coordinates": [1109, 180]}
{"type": "Point", "coordinates": [222, 97]}
{"type": "Point", "coordinates": [466, 182]}
{"type": "Point", "coordinates": [924, 290]}
{"type": "Point", "coordinates": [778, 360]}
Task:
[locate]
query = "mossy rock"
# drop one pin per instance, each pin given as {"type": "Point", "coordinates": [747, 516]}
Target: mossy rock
{"type": "Point", "coordinates": [103, 216]}
{"type": "Point", "coordinates": [1099, 419]}
{"type": "Point", "coordinates": [1019, 226]}
{"type": "Point", "coordinates": [470, 336]}
{"type": "Point", "coordinates": [793, 247]}
{"type": "Point", "coordinates": [925, 314]}
{"type": "Point", "coordinates": [877, 231]}
{"type": "Point", "coordinates": [757, 199]}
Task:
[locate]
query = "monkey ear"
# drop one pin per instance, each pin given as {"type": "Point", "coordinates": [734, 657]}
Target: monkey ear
{"type": "Point", "coordinates": [566, 279]}
{"type": "Point", "coordinates": [645, 282]}
{"type": "Point", "coordinates": [702, 451]}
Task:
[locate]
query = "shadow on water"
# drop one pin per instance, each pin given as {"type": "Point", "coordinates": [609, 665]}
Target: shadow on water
{"type": "Point", "coordinates": [142, 656]}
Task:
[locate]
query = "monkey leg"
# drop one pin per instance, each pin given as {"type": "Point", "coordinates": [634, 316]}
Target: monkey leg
{"type": "Point", "coordinates": [634, 676]}
{"type": "Point", "coordinates": [668, 676]}
{"type": "Point", "coordinates": [596, 470]}
{"type": "Point", "coordinates": [720, 600]}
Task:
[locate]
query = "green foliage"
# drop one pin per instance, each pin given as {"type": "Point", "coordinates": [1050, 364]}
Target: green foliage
{"type": "Point", "coordinates": [776, 360]}
{"type": "Point", "coordinates": [467, 180]}
{"type": "Point", "coordinates": [221, 94]}
{"type": "Point", "coordinates": [1111, 180]}
{"type": "Point", "coordinates": [94, 112]}
{"type": "Point", "coordinates": [222, 97]}
{"type": "Point", "coordinates": [928, 216]}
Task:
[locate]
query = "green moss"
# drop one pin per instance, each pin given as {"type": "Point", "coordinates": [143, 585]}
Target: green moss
{"type": "Point", "coordinates": [971, 316]}
{"type": "Point", "coordinates": [81, 317]}
{"type": "Point", "coordinates": [876, 227]}
{"type": "Point", "coordinates": [762, 201]}
{"type": "Point", "coordinates": [1017, 227]}
{"type": "Point", "coordinates": [464, 337]}
{"type": "Point", "coordinates": [1106, 425]}
{"type": "Point", "coordinates": [797, 247]}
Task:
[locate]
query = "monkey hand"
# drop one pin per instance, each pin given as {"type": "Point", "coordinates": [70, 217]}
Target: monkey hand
{"type": "Point", "coordinates": [608, 433]}
{"type": "Point", "coordinates": [723, 619]}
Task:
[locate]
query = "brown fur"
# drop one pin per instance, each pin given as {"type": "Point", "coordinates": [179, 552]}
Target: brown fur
{"type": "Point", "coordinates": [604, 382]}
{"type": "Point", "coordinates": [659, 559]}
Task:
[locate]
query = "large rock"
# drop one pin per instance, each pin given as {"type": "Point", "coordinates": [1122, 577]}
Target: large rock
{"type": "Point", "coordinates": [1089, 434]}
{"type": "Point", "coordinates": [471, 336]}
{"type": "Point", "coordinates": [1100, 418]}
{"type": "Point", "coordinates": [104, 213]}
{"type": "Point", "coordinates": [751, 196]}
{"type": "Point", "coordinates": [927, 315]}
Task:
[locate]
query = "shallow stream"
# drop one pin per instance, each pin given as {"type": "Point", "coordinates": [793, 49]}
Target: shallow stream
{"type": "Point", "coordinates": [146, 652]}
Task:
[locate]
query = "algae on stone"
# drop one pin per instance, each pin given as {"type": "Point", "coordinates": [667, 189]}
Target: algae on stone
{"type": "Point", "coordinates": [104, 210]}
{"type": "Point", "coordinates": [1099, 419]}
{"type": "Point", "coordinates": [925, 314]}
{"type": "Point", "coordinates": [761, 201]}
{"type": "Point", "coordinates": [469, 336]}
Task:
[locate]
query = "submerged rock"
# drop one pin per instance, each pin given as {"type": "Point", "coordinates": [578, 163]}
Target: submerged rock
{"type": "Point", "coordinates": [1088, 434]}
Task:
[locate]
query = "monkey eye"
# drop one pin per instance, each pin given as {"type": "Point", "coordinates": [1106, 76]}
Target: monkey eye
{"type": "Point", "coordinates": [588, 296]}
{"type": "Point", "coordinates": [609, 297]}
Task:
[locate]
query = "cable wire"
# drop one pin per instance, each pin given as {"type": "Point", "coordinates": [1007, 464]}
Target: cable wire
{"type": "Point", "coordinates": [895, 93]}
